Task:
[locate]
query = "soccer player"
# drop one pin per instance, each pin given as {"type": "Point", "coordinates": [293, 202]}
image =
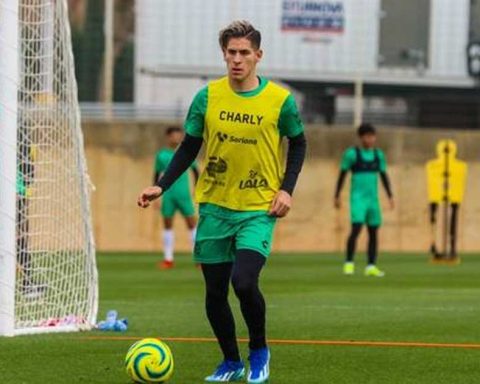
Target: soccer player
{"type": "Point", "coordinates": [244, 188]}
{"type": "Point", "coordinates": [23, 256]}
{"type": "Point", "coordinates": [366, 163]}
{"type": "Point", "coordinates": [25, 174]}
{"type": "Point", "coordinates": [178, 197]}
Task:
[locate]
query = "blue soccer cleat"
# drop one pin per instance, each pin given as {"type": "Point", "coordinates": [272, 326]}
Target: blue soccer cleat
{"type": "Point", "coordinates": [227, 371]}
{"type": "Point", "coordinates": [259, 366]}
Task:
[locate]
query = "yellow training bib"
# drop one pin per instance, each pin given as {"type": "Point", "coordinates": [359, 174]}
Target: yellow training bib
{"type": "Point", "coordinates": [244, 156]}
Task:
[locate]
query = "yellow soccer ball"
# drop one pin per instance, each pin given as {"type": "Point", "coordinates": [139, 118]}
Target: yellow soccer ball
{"type": "Point", "coordinates": [149, 361]}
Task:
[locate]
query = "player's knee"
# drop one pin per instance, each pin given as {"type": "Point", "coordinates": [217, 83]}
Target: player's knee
{"type": "Point", "coordinates": [372, 231]}
{"type": "Point", "coordinates": [243, 286]}
{"type": "Point", "coordinates": [355, 232]}
{"type": "Point", "coordinates": [215, 296]}
{"type": "Point", "coordinates": [353, 236]}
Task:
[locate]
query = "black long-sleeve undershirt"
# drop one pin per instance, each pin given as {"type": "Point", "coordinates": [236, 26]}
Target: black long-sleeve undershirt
{"type": "Point", "coordinates": [195, 171]}
{"type": "Point", "coordinates": [383, 177]}
{"type": "Point", "coordinates": [297, 147]}
{"type": "Point", "coordinates": [191, 145]}
{"type": "Point", "coordinates": [182, 159]}
{"type": "Point", "coordinates": [340, 181]}
{"type": "Point", "coordinates": [386, 184]}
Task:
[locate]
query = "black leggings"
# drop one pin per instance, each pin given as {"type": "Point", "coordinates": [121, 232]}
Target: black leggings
{"type": "Point", "coordinates": [23, 255]}
{"type": "Point", "coordinates": [244, 274]}
{"type": "Point", "coordinates": [372, 243]}
{"type": "Point", "coordinates": [453, 226]}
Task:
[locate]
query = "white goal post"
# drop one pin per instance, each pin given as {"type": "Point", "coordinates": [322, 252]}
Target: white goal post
{"type": "Point", "coordinates": [48, 275]}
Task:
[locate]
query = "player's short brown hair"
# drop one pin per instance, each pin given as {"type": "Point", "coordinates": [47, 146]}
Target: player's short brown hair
{"type": "Point", "coordinates": [172, 129]}
{"type": "Point", "coordinates": [240, 28]}
{"type": "Point", "coordinates": [366, 129]}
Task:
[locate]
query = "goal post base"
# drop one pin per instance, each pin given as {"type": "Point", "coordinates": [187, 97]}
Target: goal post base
{"type": "Point", "coordinates": [56, 329]}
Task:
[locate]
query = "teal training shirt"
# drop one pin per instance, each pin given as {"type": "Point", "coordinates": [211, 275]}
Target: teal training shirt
{"type": "Point", "coordinates": [363, 184]}
{"type": "Point", "coordinates": [21, 188]}
{"type": "Point", "coordinates": [181, 187]}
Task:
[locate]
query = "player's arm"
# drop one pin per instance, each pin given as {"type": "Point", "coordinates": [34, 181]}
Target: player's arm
{"type": "Point", "coordinates": [385, 179]}
{"type": "Point", "coordinates": [181, 161]}
{"type": "Point", "coordinates": [297, 147]}
{"type": "Point", "coordinates": [156, 176]}
{"type": "Point", "coordinates": [340, 183]}
{"type": "Point", "coordinates": [348, 159]}
{"type": "Point", "coordinates": [386, 184]}
{"type": "Point", "coordinates": [290, 125]}
{"type": "Point", "coordinates": [156, 169]}
{"type": "Point", "coordinates": [185, 154]}
{"type": "Point", "coordinates": [388, 188]}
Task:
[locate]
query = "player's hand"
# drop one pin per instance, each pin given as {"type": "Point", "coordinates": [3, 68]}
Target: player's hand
{"type": "Point", "coordinates": [281, 204]}
{"type": "Point", "coordinates": [337, 203]}
{"type": "Point", "coordinates": [148, 194]}
{"type": "Point", "coordinates": [391, 202]}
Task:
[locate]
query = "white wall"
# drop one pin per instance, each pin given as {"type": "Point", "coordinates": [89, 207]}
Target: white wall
{"type": "Point", "coordinates": [449, 37]}
{"type": "Point", "coordinates": [180, 37]}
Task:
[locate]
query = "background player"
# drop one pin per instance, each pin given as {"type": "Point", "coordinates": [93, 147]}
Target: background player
{"type": "Point", "coordinates": [365, 163]}
{"type": "Point", "coordinates": [25, 176]}
{"type": "Point", "coordinates": [23, 255]}
{"type": "Point", "coordinates": [178, 197]}
{"type": "Point", "coordinates": [244, 188]}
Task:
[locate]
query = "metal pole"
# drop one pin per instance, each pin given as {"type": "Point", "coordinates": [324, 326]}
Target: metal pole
{"type": "Point", "coordinates": [108, 60]}
{"type": "Point", "coordinates": [9, 80]}
{"type": "Point", "coordinates": [358, 102]}
{"type": "Point", "coordinates": [446, 198]}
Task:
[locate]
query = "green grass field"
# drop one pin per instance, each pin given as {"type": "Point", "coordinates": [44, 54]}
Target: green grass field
{"type": "Point", "coordinates": [308, 299]}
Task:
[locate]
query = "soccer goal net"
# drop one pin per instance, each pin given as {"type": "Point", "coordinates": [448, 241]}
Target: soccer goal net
{"type": "Point", "coordinates": [48, 276]}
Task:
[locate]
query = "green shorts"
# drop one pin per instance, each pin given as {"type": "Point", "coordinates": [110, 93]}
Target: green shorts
{"type": "Point", "coordinates": [218, 237]}
{"type": "Point", "coordinates": [366, 211]}
{"type": "Point", "coordinates": [171, 203]}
